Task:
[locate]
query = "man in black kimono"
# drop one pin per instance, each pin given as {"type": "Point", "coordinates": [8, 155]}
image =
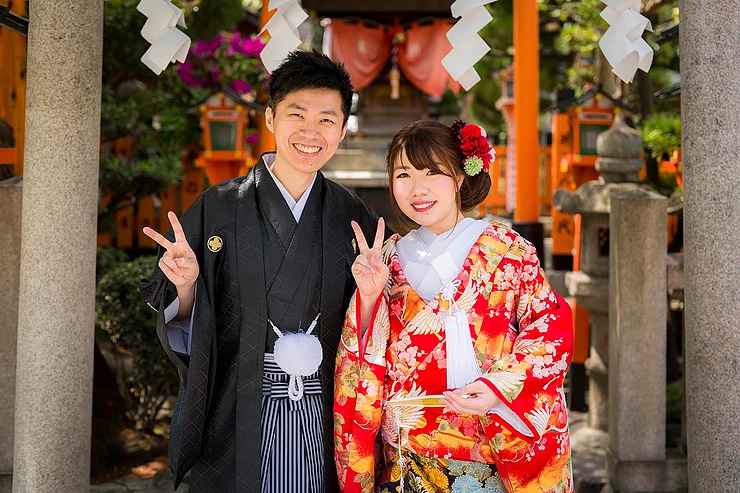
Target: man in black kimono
{"type": "Point", "coordinates": [256, 257]}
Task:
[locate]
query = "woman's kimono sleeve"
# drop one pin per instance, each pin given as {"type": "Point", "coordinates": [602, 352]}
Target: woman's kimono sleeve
{"type": "Point", "coordinates": [358, 395]}
{"type": "Point", "coordinates": [529, 380]}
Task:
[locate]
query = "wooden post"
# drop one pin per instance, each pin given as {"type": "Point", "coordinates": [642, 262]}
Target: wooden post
{"type": "Point", "coordinates": [13, 85]}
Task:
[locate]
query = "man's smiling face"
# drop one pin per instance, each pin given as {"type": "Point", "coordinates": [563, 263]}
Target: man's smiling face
{"type": "Point", "coordinates": [308, 125]}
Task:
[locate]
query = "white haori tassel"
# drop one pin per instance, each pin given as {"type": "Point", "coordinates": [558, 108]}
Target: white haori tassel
{"type": "Point", "coordinates": [299, 355]}
{"type": "Point", "coordinates": [462, 365]}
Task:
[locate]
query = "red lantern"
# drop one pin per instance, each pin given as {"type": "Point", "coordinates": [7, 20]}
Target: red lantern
{"type": "Point", "coordinates": [225, 155]}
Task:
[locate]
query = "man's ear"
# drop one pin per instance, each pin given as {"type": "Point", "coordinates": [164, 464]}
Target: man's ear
{"type": "Point", "coordinates": [269, 119]}
{"type": "Point", "coordinates": [344, 133]}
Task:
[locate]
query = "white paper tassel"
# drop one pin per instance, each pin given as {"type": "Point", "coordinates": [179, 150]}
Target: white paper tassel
{"type": "Point", "coordinates": [283, 29]}
{"type": "Point", "coordinates": [168, 43]}
{"type": "Point", "coordinates": [467, 45]}
{"type": "Point", "coordinates": [622, 44]}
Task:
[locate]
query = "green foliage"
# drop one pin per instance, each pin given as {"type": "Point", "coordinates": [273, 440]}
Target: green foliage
{"type": "Point", "coordinates": [578, 37]}
{"type": "Point", "coordinates": [243, 68]}
{"type": "Point", "coordinates": [157, 117]}
{"type": "Point", "coordinates": [154, 111]}
{"type": "Point", "coordinates": [214, 16]}
{"type": "Point", "coordinates": [128, 323]}
{"type": "Point", "coordinates": [139, 177]}
{"type": "Point", "coordinates": [123, 45]}
{"type": "Point", "coordinates": [253, 6]}
{"type": "Point", "coordinates": [661, 134]}
{"type": "Point", "coordinates": [674, 402]}
{"type": "Point", "coordinates": [107, 258]}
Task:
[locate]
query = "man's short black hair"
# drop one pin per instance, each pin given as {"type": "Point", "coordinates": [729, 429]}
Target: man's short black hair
{"type": "Point", "coordinates": [310, 70]}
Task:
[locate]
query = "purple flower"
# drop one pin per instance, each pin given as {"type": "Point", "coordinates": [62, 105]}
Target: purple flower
{"type": "Point", "coordinates": [185, 71]}
{"type": "Point", "coordinates": [206, 48]}
{"type": "Point", "coordinates": [233, 48]}
{"type": "Point", "coordinates": [215, 74]}
{"type": "Point", "coordinates": [253, 138]}
{"type": "Point", "coordinates": [250, 47]}
{"type": "Point", "coordinates": [241, 86]}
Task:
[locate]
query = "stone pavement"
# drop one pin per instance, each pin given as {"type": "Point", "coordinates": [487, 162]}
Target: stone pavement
{"type": "Point", "coordinates": [589, 466]}
{"type": "Point", "coordinates": [159, 484]}
{"type": "Point", "coordinates": [589, 454]}
{"type": "Point", "coordinates": [153, 477]}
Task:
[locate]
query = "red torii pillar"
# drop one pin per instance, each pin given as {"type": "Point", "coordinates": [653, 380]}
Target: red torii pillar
{"type": "Point", "coordinates": [526, 115]}
{"type": "Point", "coordinates": [267, 139]}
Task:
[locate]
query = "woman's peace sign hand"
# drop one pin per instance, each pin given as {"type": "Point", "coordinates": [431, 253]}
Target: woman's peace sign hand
{"type": "Point", "coordinates": [369, 270]}
{"type": "Point", "coordinates": [178, 263]}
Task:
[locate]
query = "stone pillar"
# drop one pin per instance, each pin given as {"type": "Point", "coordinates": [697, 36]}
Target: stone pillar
{"type": "Point", "coordinates": [56, 312]}
{"type": "Point", "coordinates": [10, 246]}
{"type": "Point", "coordinates": [590, 287]}
{"type": "Point", "coordinates": [710, 86]}
{"type": "Point", "coordinates": [637, 341]}
{"type": "Point", "coordinates": [591, 290]}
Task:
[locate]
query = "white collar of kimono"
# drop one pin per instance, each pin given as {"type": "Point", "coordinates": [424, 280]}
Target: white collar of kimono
{"type": "Point", "coordinates": [432, 261]}
{"type": "Point", "coordinates": [295, 206]}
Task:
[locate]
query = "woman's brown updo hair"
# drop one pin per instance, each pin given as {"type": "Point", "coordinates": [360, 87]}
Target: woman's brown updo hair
{"type": "Point", "coordinates": [432, 145]}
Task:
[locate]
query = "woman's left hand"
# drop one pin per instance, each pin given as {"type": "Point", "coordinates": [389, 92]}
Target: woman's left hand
{"type": "Point", "coordinates": [475, 399]}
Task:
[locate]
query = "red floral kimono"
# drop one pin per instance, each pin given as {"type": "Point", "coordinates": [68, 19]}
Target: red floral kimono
{"type": "Point", "coordinates": [522, 338]}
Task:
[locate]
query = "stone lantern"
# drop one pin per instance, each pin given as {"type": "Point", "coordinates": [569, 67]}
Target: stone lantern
{"type": "Point", "coordinates": [619, 160]}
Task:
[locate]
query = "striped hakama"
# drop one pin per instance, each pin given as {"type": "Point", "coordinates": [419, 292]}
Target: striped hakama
{"type": "Point", "coordinates": [292, 445]}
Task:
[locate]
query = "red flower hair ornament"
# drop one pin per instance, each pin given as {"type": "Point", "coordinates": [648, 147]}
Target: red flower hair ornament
{"type": "Point", "coordinates": [475, 147]}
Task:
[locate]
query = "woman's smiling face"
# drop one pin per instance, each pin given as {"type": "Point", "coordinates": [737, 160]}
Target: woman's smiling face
{"type": "Point", "coordinates": [426, 197]}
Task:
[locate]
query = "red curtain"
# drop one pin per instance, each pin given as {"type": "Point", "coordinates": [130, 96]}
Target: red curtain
{"type": "Point", "coordinates": [363, 49]}
{"type": "Point", "coordinates": [420, 57]}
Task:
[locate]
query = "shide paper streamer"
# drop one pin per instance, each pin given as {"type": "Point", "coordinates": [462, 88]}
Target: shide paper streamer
{"type": "Point", "coordinates": [283, 29]}
{"type": "Point", "coordinates": [622, 44]}
{"type": "Point", "coordinates": [467, 45]}
{"type": "Point", "coordinates": [168, 43]}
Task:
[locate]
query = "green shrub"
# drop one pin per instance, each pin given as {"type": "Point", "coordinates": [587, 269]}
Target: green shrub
{"type": "Point", "coordinates": [107, 258]}
{"type": "Point", "coordinates": [661, 133]}
{"type": "Point", "coordinates": [674, 401]}
{"type": "Point", "coordinates": [125, 329]}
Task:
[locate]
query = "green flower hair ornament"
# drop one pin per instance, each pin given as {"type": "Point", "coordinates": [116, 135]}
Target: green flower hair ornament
{"type": "Point", "coordinates": [473, 165]}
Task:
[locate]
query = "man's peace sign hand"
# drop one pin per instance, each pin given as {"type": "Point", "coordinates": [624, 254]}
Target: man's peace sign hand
{"type": "Point", "coordinates": [369, 270]}
{"type": "Point", "coordinates": [178, 263]}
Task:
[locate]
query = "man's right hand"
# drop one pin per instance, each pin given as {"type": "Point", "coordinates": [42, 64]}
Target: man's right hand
{"type": "Point", "coordinates": [179, 262]}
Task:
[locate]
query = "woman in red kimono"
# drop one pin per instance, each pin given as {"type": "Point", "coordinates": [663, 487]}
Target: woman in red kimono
{"type": "Point", "coordinates": [454, 348]}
